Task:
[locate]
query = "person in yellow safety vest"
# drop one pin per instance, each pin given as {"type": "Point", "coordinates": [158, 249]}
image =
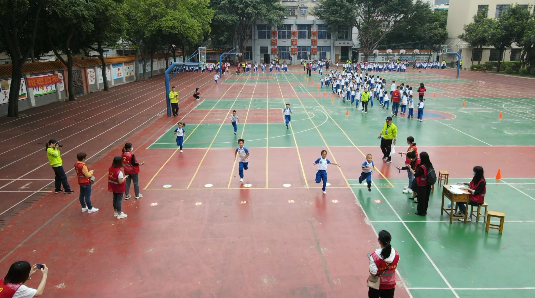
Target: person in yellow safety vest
{"type": "Point", "coordinates": [461, 63]}
{"type": "Point", "coordinates": [365, 98]}
{"type": "Point", "coordinates": [173, 98]}
{"type": "Point", "coordinates": [243, 65]}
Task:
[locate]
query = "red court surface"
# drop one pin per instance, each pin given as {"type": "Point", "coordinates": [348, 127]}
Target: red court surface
{"type": "Point", "coordinates": [189, 240]}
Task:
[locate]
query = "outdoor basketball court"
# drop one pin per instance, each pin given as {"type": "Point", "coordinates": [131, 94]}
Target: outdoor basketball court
{"type": "Point", "coordinates": [199, 232]}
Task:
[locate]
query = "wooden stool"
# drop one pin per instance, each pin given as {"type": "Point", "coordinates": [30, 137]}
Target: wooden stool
{"type": "Point", "coordinates": [492, 214]}
{"type": "Point", "coordinates": [432, 188]}
{"type": "Point", "coordinates": [443, 176]}
{"type": "Point", "coordinates": [478, 215]}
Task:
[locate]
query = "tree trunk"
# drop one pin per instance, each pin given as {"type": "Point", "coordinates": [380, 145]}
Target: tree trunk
{"type": "Point", "coordinates": [174, 55]}
{"type": "Point", "coordinates": [500, 60]}
{"type": "Point", "coordinates": [16, 76]}
{"type": "Point", "coordinates": [104, 68]}
{"type": "Point", "coordinates": [70, 88]}
{"type": "Point", "coordinates": [144, 63]}
{"type": "Point", "coordinates": [183, 53]}
{"type": "Point", "coordinates": [151, 64]}
{"type": "Point", "coordinates": [136, 66]}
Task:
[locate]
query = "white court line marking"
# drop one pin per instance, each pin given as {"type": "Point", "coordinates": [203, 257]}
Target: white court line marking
{"type": "Point", "coordinates": [416, 240]}
{"type": "Point", "coordinates": [463, 132]}
{"type": "Point", "coordinates": [518, 190]}
{"type": "Point", "coordinates": [428, 221]}
{"type": "Point", "coordinates": [32, 191]}
{"type": "Point", "coordinates": [476, 289]}
{"type": "Point", "coordinates": [27, 179]}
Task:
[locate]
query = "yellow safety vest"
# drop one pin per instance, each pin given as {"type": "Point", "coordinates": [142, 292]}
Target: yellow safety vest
{"type": "Point", "coordinates": [173, 96]}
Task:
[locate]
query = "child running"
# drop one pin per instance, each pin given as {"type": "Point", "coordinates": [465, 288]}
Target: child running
{"type": "Point", "coordinates": [287, 115]}
{"type": "Point", "coordinates": [322, 163]}
{"type": "Point", "coordinates": [242, 153]}
{"type": "Point", "coordinates": [179, 133]}
{"type": "Point", "coordinates": [234, 121]}
{"type": "Point", "coordinates": [367, 170]}
{"type": "Point", "coordinates": [421, 109]}
{"type": "Point", "coordinates": [216, 77]}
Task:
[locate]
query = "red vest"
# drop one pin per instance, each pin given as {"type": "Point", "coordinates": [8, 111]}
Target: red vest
{"type": "Point", "coordinates": [113, 181]}
{"type": "Point", "coordinates": [411, 148]}
{"type": "Point", "coordinates": [82, 180]}
{"type": "Point", "coordinates": [422, 180]}
{"type": "Point", "coordinates": [480, 198]}
{"type": "Point", "coordinates": [421, 91]}
{"type": "Point", "coordinates": [127, 164]}
{"type": "Point", "coordinates": [396, 96]}
{"type": "Point", "coordinates": [388, 279]}
{"type": "Point", "coordinates": [8, 290]}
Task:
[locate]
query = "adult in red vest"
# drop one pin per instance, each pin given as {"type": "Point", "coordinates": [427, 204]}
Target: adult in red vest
{"type": "Point", "coordinates": [396, 98]}
{"type": "Point", "coordinates": [421, 91]}
{"type": "Point", "coordinates": [12, 285]}
{"type": "Point", "coordinates": [84, 174]}
{"type": "Point", "coordinates": [383, 262]}
{"type": "Point", "coordinates": [116, 180]}
{"type": "Point", "coordinates": [422, 187]}
{"type": "Point", "coordinates": [131, 168]}
{"type": "Point", "coordinates": [477, 188]}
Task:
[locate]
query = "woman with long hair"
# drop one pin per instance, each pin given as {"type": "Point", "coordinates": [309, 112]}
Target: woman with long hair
{"type": "Point", "coordinates": [116, 179]}
{"type": "Point", "coordinates": [423, 189]}
{"type": "Point", "coordinates": [383, 263]}
{"type": "Point", "coordinates": [477, 188]}
{"type": "Point", "coordinates": [12, 285]}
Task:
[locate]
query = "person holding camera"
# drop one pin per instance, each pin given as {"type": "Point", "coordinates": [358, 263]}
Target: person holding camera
{"type": "Point", "coordinates": [54, 158]}
{"type": "Point", "coordinates": [12, 285]}
{"type": "Point", "coordinates": [116, 185]}
{"type": "Point", "coordinates": [85, 179]}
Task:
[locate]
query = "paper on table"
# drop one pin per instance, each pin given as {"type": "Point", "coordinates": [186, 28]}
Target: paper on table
{"type": "Point", "coordinates": [457, 189]}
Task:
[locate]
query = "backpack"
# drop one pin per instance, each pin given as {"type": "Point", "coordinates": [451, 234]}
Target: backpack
{"type": "Point", "coordinates": [431, 176]}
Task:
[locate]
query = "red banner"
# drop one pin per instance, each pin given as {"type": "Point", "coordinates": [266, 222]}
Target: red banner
{"type": "Point", "coordinates": [42, 81]}
{"type": "Point", "coordinates": [314, 33]}
{"type": "Point", "coordinates": [273, 42]}
{"type": "Point", "coordinates": [294, 33]}
{"type": "Point", "coordinates": [314, 42]}
{"type": "Point", "coordinates": [294, 42]}
{"type": "Point", "coordinates": [313, 51]}
{"type": "Point", "coordinates": [274, 51]}
{"type": "Point", "coordinates": [294, 51]}
{"type": "Point", "coordinates": [273, 33]}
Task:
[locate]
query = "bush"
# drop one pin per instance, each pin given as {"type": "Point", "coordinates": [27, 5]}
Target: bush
{"type": "Point", "coordinates": [523, 71]}
{"type": "Point", "coordinates": [509, 70]}
{"type": "Point", "coordinates": [476, 67]}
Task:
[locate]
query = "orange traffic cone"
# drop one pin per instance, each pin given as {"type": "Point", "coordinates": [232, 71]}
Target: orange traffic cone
{"type": "Point", "coordinates": [324, 93]}
{"type": "Point", "coordinates": [499, 174]}
{"type": "Point", "coordinates": [332, 98]}
{"type": "Point", "coordinates": [347, 112]}
{"type": "Point", "coordinates": [435, 94]}
{"type": "Point", "coordinates": [318, 87]}
{"type": "Point", "coordinates": [464, 103]}
{"type": "Point", "coordinates": [501, 115]}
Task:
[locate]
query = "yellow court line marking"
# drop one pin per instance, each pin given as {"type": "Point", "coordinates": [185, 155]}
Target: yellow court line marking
{"type": "Point", "coordinates": [263, 188]}
{"type": "Point", "coordinates": [321, 135]}
{"type": "Point", "coordinates": [293, 134]}
{"type": "Point", "coordinates": [343, 131]}
{"type": "Point", "coordinates": [218, 130]}
{"type": "Point", "coordinates": [243, 129]}
{"type": "Point", "coordinates": [178, 148]}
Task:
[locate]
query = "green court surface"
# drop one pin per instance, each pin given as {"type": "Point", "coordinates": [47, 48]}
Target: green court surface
{"type": "Point", "coordinates": [439, 259]}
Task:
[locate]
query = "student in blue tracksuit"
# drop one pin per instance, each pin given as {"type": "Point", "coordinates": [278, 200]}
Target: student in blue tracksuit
{"type": "Point", "coordinates": [287, 115]}
{"type": "Point", "coordinates": [367, 170]}
{"type": "Point", "coordinates": [234, 121]}
{"type": "Point", "coordinates": [322, 163]}
{"type": "Point", "coordinates": [242, 153]}
{"type": "Point", "coordinates": [179, 133]}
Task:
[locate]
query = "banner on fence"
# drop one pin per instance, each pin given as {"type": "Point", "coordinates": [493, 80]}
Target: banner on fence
{"type": "Point", "coordinates": [99, 74]}
{"type": "Point", "coordinates": [117, 71]}
{"type": "Point", "coordinates": [41, 81]}
{"type": "Point", "coordinates": [128, 69]}
{"type": "Point", "coordinates": [4, 90]}
{"type": "Point", "coordinates": [91, 76]}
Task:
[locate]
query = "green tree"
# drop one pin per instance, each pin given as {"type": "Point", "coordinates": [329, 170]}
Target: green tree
{"type": "Point", "coordinates": [66, 26]}
{"type": "Point", "coordinates": [521, 26]}
{"type": "Point", "coordinates": [107, 29]}
{"type": "Point", "coordinates": [374, 19]}
{"type": "Point", "coordinates": [478, 33]}
{"type": "Point", "coordinates": [18, 21]}
{"type": "Point", "coordinates": [240, 16]}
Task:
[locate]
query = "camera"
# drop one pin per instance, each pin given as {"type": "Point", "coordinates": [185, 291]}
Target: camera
{"type": "Point", "coordinates": [59, 144]}
{"type": "Point", "coordinates": [39, 266]}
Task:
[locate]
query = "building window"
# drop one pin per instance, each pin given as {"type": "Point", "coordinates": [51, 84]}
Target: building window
{"type": "Point", "coordinates": [324, 52]}
{"type": "Point", "coordinates": [248, 53]}
{"type": "Point", "coordinates": [303, 31]}
{"type": "Point", "coordinates": [264, 50]}
{"type": "Point", "coordinates": [343, 35]}
{"type": "Point", "coordinates": [283, 52]}
{"type": "Point", "coordinates": [303, 11]}
{"type": "Point", "coordinates": [322, 32]}
{"type": "Point", "coordinates": [302, 52]}
{"type": "Point", "coordinates": [285, 31]}
{"type": "Point", "coordinates": [494, 55]}
{"type": "Point", "coordinates": [483, 9]}
{"type": "Point", "coordinates": [477, 54]}
{"type": "Point", "coordinates": [501, 9]}
{"type": "Point", "coordinates": [264, 31]}
{"type": "Point", "coordinates": [291, 10]}
{"type": "Point", "coordinates": [515, 54]}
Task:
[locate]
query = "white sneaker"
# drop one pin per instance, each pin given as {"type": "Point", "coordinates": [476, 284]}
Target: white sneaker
{"type": "Point", "coordinates": [405, 188]}
{"type": "Point", "coordinates": [241, 179]}
{"type": "Point", "coordinates": [94, 209]}
{"type": "Point", "coordinates": [405, 191]}
{"type": "Point", "coordinates": [467, 219]}
{"type": "Point", "coordinates": [409, 190]}
{"type": "Point", "coordinates": [115, 214]}
{"type": "Point", "coordinates": [84, 209]}
{"type": "Point", "coordinates": [324, 192]}
{"type": "Point", "coordinates": [122, 215]}
{"type": "Point", "coordinates": [127, 197]}
{"type": "Point", "coordinates": [181, 151]}
{"type": "Point", "coordinates": [139, 196]}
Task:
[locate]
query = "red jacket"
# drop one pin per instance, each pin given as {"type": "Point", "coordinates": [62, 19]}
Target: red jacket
{"type": "Point", "coordinates": [113, 181]}
{"type": "Point", "coordinates": [396, 96]}
{"type": "Point", "coordinates": [421, 91]}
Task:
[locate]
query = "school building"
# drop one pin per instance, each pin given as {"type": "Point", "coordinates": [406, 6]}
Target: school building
{"type": "Point", "coordinates": [301, 36]}
{"type": "Point", "coordinates": [461, 12]}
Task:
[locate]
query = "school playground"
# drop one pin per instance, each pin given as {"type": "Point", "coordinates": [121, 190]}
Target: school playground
{"type": "Point", "coordinates": [199, 232]}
